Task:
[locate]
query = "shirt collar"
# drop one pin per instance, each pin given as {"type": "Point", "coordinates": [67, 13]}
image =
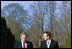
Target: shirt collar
{"type": "Point", "coordinates": [49, 40]}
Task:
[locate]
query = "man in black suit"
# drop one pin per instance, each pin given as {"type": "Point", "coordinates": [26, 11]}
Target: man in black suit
{"type": "Point", "coordinates": [23, 43]}
{"type": "Point", "coordinates": [48, 42]}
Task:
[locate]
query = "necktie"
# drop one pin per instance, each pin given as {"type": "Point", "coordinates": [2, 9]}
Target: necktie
{"type": "Point", "coordinates": [48, 44]}
{"type": "Point", "coordinates": [24, 45]}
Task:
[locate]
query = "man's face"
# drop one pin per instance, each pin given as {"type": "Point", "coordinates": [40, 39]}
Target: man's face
{"type": "Point", "coordinates": [23, 37]}
{"type": "Point", "coordinates": [45, 37]}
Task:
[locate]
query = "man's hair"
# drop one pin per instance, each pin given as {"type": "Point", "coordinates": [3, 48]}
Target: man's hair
{"type": "Point", "coordinates": [23, 33]}
{"type": "Point", "coordinates": [48, 33]}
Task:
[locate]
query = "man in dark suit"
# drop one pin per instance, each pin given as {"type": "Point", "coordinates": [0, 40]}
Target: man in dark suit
{"type": "Point", "coordinates": [23, 43]}
{"type": "Point", "coordinates": [48, 42]}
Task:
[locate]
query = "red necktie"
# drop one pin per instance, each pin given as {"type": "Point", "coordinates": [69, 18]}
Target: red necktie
{"type": "Point", "coordinates": [24, 45]}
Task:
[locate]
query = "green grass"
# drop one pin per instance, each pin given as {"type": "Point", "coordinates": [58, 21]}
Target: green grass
{"type": "Point", "coordinates": [67, 42]}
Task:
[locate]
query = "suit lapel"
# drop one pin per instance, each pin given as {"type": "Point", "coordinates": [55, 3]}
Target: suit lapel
{"type": "Point", "coordinates": [28, 45]}
{"type": "Point", "coordinates": [51, 45]}
{"type": "Point", "coordinates": [20, 44]}
{"type": "Point", "coordinates": [45, 45]}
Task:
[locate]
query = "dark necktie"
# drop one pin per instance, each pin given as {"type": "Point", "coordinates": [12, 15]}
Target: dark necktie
{"type": "Point", "coordinates": [23, 45]}
{"type": "Point", "coordinates": [48, 44]}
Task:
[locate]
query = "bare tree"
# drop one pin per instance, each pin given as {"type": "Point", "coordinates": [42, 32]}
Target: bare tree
{"type": "Point", "coordinates": [15, 15]}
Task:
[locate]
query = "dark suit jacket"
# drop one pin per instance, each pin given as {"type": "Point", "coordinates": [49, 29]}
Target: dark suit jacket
{"type": "Point", "coordinates": [54, 44]}
{"type": "Point", "coordinates": [19, 45]}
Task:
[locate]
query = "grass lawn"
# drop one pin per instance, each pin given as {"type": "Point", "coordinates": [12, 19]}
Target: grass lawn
{"type": "Point", "coordinates": [67, 42]}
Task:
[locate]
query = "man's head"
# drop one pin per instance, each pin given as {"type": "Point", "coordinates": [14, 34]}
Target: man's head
{"type": "Point", "coordinates": [23, 36]}
{"type": "Point", "coordinates": [46, 35]}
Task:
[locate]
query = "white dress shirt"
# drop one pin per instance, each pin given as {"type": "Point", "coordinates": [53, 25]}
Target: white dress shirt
{"type": "Point", "coordinates": [23, 44]}
{"type": "Point", "coordinates": [48, 43]}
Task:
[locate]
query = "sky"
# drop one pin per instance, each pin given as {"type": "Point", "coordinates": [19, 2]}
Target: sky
{"type": "Point", "coordinates": [25, 4]}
